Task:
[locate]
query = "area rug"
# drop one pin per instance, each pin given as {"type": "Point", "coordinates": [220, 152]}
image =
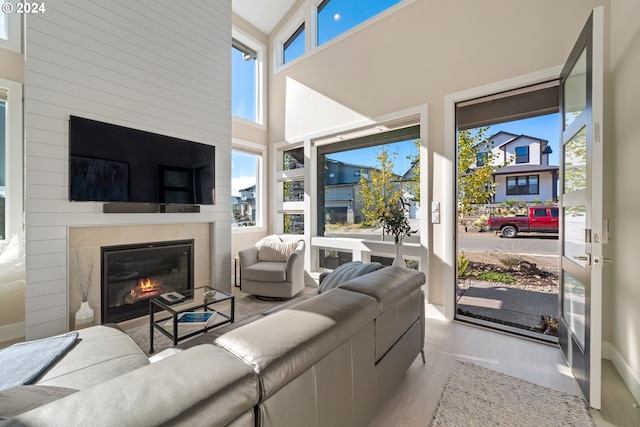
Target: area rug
{"type": "Point", "coordinates": [477, 396]}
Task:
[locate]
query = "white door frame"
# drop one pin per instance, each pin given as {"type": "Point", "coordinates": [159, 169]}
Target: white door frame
{"type": "Point", "coordinates": [451, 221]}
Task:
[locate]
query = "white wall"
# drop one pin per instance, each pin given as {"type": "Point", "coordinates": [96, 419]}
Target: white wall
{"type": "Point", "coordinates": [622, 202]}
{"type": "Point", "coordinates": [153, 65]}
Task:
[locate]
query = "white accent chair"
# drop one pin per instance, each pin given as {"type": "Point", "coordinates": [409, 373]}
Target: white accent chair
{"type": "Point", "coordinates": [273, 268]}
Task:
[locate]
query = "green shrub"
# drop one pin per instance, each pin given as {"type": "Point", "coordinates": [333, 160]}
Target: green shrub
{"type": "Point", "coordinates": [509, 261]}
{"type": "Point", "coordinates": [463, 264]}
{"type": "Point", "coordinates": [492, 276]}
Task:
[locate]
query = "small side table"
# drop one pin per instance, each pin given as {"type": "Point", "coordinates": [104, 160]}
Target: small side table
{"type": "Point", "coordinates": [186, 305]}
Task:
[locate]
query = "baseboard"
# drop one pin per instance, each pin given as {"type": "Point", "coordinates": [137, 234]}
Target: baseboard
{"type": "Point", "coordinates": [632, 381]}
{"type": "Point", "coordinates": [12, 332]}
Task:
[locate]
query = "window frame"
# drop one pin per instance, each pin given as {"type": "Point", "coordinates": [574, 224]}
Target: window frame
{"type": "Point", "coordinates": [388, 137]}
{"type": "Point", "coordinates": [13, 22]}
{"type": "Point", "coordinates": [300, 31]}
{"type": "Point", "coordinates": [518, 157]}
{"type": "Point", "coordinates": [260, 79]}
{"type": "Point", "coordinates": [516, 186]}
{"type": "Point", "coordinates": [260, 151]}
{"type": "Point", "coordinates": [307, 14]}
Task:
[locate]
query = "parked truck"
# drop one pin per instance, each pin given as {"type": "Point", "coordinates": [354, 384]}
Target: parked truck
{"type": "Point", "coordinates": [540, 219]}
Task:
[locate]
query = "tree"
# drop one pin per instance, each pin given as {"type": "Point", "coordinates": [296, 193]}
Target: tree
{"type": "Point", "coordinates": [380, 190]}
{"type": "Point", "coordinates": [414, 180]}
{"type": "Point", "coordinates": [475, 185]}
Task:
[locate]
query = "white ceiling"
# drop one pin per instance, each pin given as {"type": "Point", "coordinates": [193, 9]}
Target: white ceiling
{"type": "Point", "coordinates": [262, 14]}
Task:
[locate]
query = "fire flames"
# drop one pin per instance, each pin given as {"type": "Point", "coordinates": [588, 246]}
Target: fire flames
{"type": "Point", "coordinates": [146, 288]}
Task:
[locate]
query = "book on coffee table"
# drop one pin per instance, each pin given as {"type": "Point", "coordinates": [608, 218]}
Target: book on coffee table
{"type": "Point", "coordinates": [195, 318]}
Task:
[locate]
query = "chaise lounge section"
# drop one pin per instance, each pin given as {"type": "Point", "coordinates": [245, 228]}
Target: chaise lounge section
{"type": "Point", "coordinates": [332, 359]}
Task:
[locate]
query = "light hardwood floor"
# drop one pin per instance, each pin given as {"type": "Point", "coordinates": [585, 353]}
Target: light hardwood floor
{"type": "Point", "coordinates": [415, 402]}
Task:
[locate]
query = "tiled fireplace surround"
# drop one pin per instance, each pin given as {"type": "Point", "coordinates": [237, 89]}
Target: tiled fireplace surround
{"type": "Point", "coordinates": [85, 244]}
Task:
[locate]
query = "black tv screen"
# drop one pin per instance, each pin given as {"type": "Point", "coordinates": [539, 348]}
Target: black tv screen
{"type": "Point", "coordinates": [110, 163]}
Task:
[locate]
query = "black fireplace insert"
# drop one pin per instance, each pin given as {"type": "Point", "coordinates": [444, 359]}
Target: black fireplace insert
{"type": "Point", "coordinates": [131, 274]}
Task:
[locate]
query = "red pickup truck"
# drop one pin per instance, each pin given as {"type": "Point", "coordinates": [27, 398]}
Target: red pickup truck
{"type": "Point", "coordinates": [541, 219]}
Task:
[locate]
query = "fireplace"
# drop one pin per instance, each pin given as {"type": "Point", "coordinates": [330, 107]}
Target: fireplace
{"type": "Point", "coordinates": [132, 274]}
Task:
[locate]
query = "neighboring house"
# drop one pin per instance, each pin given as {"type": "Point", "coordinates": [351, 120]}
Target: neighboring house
{"type": "Point", "coordinates": [245, 211]}
{"type": "Point", "coordinates": [342, 184]}
{"type": "Point", "coordinates": [342, 204]}
{"type": "Point", "coordinates": [528, 175]}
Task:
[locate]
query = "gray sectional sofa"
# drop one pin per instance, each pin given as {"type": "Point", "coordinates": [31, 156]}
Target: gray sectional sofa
{"type": "Point", "coordinates": [329, 360]}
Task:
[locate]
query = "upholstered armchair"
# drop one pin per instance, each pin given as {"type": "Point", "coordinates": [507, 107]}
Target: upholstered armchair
{"type": "Point", "coordinates": [273, 268]}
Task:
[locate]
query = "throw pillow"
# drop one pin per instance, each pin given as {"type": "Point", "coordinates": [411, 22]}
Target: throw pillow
{"type": "Point", "coordinates": [14, 401]}
{"type": "Point", "coordinates": [346, 272]}
{"type": "Point", "coordinates": [276, 250]}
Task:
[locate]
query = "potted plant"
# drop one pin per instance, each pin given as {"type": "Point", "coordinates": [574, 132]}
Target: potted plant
{"type": "Point", "coordinates": [395, 222]}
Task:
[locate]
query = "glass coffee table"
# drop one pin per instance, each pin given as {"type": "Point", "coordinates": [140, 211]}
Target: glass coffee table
{"type": "Point", "coordinates": [195, 313]}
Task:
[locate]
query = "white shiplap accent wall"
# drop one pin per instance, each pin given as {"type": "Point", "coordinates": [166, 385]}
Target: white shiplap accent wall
{"type": "Point", "coordinates": [156, 65]}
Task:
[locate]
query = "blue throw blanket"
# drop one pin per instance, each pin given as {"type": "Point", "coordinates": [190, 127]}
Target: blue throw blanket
{"type": "Point", "coordinates": [22, 363]}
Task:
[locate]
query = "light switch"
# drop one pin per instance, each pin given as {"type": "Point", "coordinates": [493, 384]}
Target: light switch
{"type": "Point", "coordinates": [435, 212]}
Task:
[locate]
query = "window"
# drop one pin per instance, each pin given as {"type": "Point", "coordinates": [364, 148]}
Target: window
{"type": "Point", "coordinates": [293, 159]}
{"type": "Point", "coordinates": [540, 213]}
{"type": "Point", "coordinates": [11, 158]}
{"type": "Point", "coordinates": [245, 191]}
{"type": "Point", "coordinates": [522, 185]}
{"type": "Point", "coordinates": [10, 31]}
{"type": "Point", "coordinates": [345, 168]}
{"type": "Point", "coordinates": [294, 46]}
{"type": "Point", "coordinates": [337, 16]}
{"type": "Point", "coordinates": [481, 158]}
{"type": "Point", "coordinates": [522, 154]}
{"type": "Point", "coordinates": [246, 81]}
{"type": "Point", "coordinates": [293, 223]}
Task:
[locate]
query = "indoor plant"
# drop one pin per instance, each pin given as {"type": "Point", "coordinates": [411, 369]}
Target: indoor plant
{"type": "Point", "coordinates": [394, 221]}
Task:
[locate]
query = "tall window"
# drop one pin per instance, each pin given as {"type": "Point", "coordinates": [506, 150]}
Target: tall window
{"type": "Point", "coordinates": [337, 16]}
{"type": "Point", "coordinates": [346, 167]}
{"type": "Point", "coordinates": [481, 158]}
{"type": "Point", "coordinates": [290, 192]}
{"type": "Point", "coordinates": [245, 189]}
{"type": "Point", "coordinates": [246, 81]}
{"type": "Point", "coordinates": [522, 154]}
{"type": "Point", "coordinates": [294, 46]}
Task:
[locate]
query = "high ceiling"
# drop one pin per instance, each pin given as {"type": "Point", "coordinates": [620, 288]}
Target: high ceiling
{"type": "Point", "coordinates": [262, 14]}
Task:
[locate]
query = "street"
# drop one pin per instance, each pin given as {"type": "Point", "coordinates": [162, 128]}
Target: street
{"type": "Point", "coordinates": [523, 244]}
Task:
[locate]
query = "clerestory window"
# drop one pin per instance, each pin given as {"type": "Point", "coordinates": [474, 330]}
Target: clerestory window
{"type": "Point", "coordinates": [246, 81]}
{"type": "Point", "coordinates": [294, 46]}
{"type": "Point", "coordinates": [338, 16]}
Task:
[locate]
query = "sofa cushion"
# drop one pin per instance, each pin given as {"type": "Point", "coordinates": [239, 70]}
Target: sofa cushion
{"type": "Point", "coordinates": [276, 250]}
{"type": "Point", "coordinates": [16, 400]}
{"type": "Point", "coordinates": [266, 271]}
{"type": "Point", "coordinates": [284, 344]}
{"type": "Point", "coordinates": [391, 285]}
{"type": "Point", "coordinates": [346, 272]}
{"type": "Point", "coordinates": [101, 353]}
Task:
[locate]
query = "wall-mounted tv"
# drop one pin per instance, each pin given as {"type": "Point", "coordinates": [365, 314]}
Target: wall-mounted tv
{"type": "Point", "coordinates": [110, 163]}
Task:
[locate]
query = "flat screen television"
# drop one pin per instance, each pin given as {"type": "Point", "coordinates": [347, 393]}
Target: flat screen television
{"type": "Point", "coordinates": [110, 163]}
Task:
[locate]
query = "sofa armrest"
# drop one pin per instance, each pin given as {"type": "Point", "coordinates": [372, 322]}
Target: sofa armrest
{"type": "Point", "coordinates": [248, 257]}
{"type": "Point", "coordinates": [295, 264]}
